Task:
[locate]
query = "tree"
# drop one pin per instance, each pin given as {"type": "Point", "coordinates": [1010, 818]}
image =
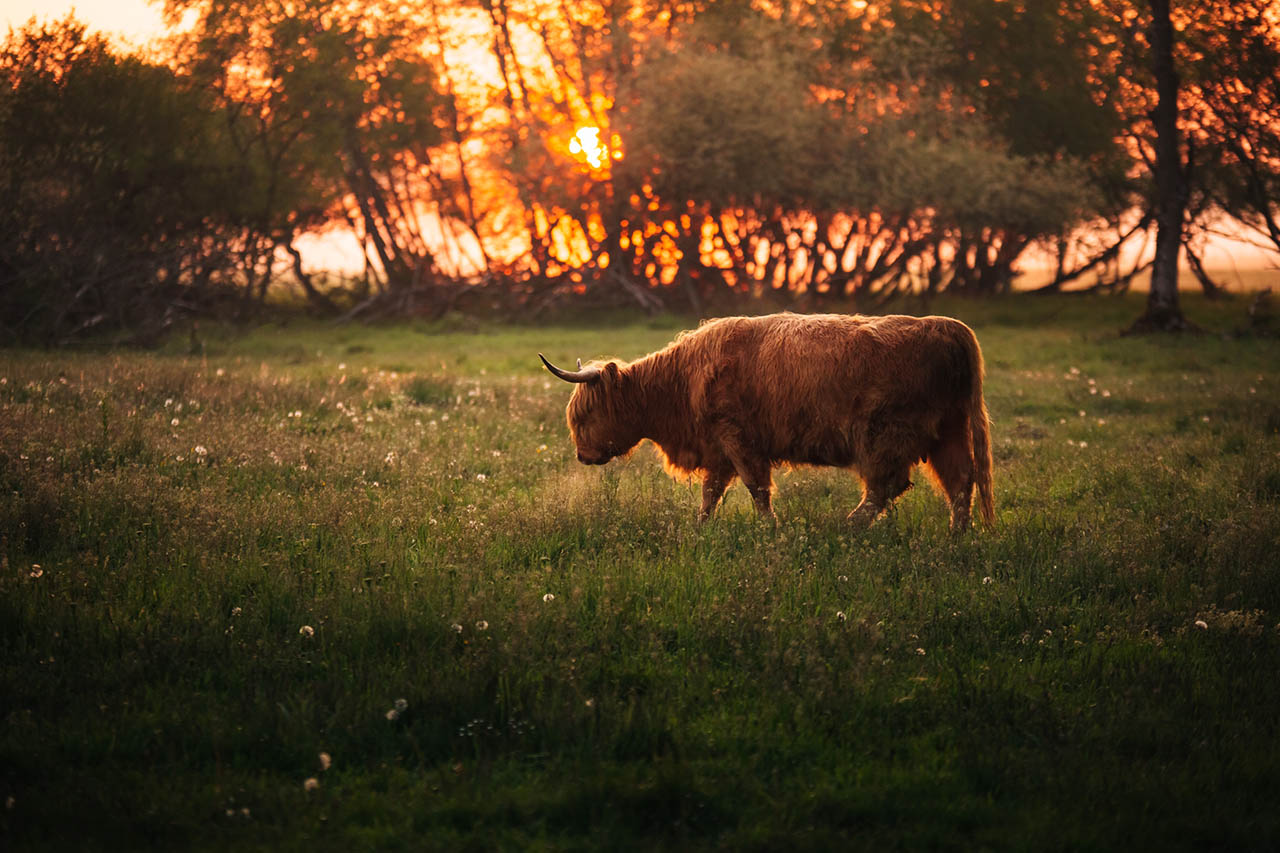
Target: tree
{"type": "Point", "coordinates": [344, 102]}
{"type": "Point", "coordinates": [121, 209]}
{"type": "Point", "coordinates": [1172, 188]}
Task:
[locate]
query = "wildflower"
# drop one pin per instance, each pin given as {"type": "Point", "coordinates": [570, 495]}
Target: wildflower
{"type": "Point", "coordinates": [342, 365]}
{"type": "Point", "coordinates": [919, 651]}
{"type": "Point", "coordinates": [988, 579]}
{"type": "Point", "coordinates": [456, 627]}
{"type": "Point", "coordinates": [311, 784]}
{"type": "Point", "coordinates": [542, 448]}
{"type": "Point", "coordinates": [402, 705]}
{"type": "Point", "coordinates": [220, 372]}
{"type": "Point", "coordinates": [549, 597]}
{"type": "Point", "coordinates": [1202, 625]}
{"type": "Point", "coordinates": [201, 450]}
{"type": "Point", "coordinates": [590, 703]}
{"type": "Point", "coordinates": [168, 402]}
{"type": "Point", "coordinates": [235, 611]}
{"type": "Point", "coordinates": [391, 457]}
{"type": "Point", "coordinates": [843, 578]}
{"type": "Point", "coordinates": [307, 631]}
{"type": "Point", "coordinates": [325, 761]}
{"type": "Point", "coordinates": [173, 422]}
{"type": "Point", "coordinates": [36, 571]}
{"type": "Point", "coordinates": [840, 616]}
{"type": "Point", "coordinates": [481, 477]}
{"type": "Point", "coordinates": [482, 625]}
{"type": "Point", "coordinates": [1081, 413]}
{"type": "Point", "coordinates": [392, 715]}
{"type": "Point", "coordinates": [1205, 419]}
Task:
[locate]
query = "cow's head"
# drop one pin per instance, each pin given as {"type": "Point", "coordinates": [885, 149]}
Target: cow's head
{"type": "Point", "coordinates": [596, 412]}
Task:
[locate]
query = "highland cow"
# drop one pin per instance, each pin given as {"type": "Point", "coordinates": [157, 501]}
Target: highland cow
{"type": "Point", "coordinates": [739, 395]}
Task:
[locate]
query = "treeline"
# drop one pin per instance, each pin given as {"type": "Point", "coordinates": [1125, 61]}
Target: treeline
{"type": "Point", "coordinates": [527, 152]}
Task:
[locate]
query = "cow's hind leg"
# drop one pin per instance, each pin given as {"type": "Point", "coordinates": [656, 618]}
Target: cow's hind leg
{"type": "Point", "coordinates": [713, 486]}
{"type": "Point", "coordinates": [951, 463]}
{"type": "Point", "coordinates": [879, 490]}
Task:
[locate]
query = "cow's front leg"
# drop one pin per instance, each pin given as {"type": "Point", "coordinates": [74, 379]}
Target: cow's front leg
{"type": "Point", "coordinates": [713, 486]}
{"type": "Point", "coordinates": [755, 472]}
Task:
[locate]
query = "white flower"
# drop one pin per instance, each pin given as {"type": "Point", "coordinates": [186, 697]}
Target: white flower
{"type": "Point", "coordinates": [201, 450]}
{"type": "Point", "coordinates": [307, 631]}
{"type": "Point", "coordinates": [402, 705]}
{"type": "Point", "coordinates": [482, 625]}
{"type": "Point", "coordinates": [919, 651]}
{"type": "Point", "coordinates": [168, 402]}
{"type": "Point", "coordinates": [988, 579]}
{"type": "Point", "coordinates": [173, 422]}
{"type": "Point", "coordinates": [325, 761]}
{"type": "Point", "coordinates": [220, 372]}
{"type": "Point", "coordinates": [36, 571]}
{"type": "Point", "coordinates": [840, 616]}
{"type": "Point", "coordinates": [549, 597]}
{"type": "Point", "coordinates": [393, 715]}
{"type": "Point", "coordinates": [311, 784]}
{"type": "Point", "coordinates": [457, 628]}
{"type": "Point", "coordinates": [236, 611]}
{"type": "Point", "coordinates": [481, 477]}
{"type": "Point", "coordinates": [1202, 625]}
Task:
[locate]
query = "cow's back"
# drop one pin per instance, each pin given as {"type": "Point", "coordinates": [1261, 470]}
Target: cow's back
{"type": "Point", "coordinates": [816, 388]}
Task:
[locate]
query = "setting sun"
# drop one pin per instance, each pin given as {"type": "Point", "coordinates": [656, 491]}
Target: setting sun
{"type": "Point", "coordinates": [586, 143]}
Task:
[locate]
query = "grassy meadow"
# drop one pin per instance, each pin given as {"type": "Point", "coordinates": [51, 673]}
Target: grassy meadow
{"type": "Point", "coordinates": [315, 587]}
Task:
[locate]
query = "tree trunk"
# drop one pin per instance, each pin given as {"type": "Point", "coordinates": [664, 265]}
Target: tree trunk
{"type": "Point", "coordinates": [1163, 312]}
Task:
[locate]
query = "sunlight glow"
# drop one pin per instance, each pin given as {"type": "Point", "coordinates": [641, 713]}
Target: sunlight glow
{"type": "Point", "coordinates": [586, 143]}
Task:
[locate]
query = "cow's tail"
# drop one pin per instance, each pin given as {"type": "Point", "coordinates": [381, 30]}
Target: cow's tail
{"type": "Point", "coordinates": [980, 430]}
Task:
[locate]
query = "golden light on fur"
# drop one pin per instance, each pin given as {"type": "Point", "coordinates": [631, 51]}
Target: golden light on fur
{"type": "Point", "coordinates": [739, 395]}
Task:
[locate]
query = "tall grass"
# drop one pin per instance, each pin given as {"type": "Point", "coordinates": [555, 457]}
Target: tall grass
{"type": "Point", "coordinates": [217, 567]}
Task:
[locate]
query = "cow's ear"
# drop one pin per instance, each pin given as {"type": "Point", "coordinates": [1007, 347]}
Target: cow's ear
{"type": "Point", "coordinates": [611, 370]}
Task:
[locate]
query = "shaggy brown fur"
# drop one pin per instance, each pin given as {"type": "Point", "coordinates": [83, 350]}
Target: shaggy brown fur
{"type": "Point", "coordinates": [739, 395]}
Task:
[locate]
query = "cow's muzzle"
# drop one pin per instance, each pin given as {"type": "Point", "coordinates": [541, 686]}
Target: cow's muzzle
{"type": "Point", "coordinates": [588, 459]}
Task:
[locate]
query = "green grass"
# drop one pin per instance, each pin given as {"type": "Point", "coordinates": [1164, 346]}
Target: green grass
{"type": "Point", "coordinates": [1096, 672]}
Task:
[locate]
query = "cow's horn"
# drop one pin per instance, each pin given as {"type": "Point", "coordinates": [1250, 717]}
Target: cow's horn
{"type": "Point", "coordinates": [588, 374]}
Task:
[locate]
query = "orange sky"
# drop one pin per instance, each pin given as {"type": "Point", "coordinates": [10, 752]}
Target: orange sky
{"type": "Point", "coordinates": [135, 21]}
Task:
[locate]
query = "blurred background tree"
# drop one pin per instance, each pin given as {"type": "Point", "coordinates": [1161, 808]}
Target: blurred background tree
{"type": "Point", "coordinates": [690, 155]}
